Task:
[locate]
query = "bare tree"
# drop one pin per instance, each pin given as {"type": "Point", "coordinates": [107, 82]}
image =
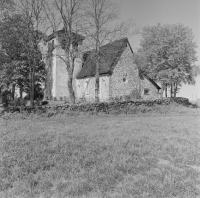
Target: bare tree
{"type": "Point", "coordinates": [66, 13]}
{"type": "Point", "coordinates": [102, 25]}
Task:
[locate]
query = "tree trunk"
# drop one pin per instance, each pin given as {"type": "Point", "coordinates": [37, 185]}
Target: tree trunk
{"type": "Point", "coordinates": [97, 57]}
{"type": "Point", "coordinates": [165, 90]}
{"type": "Point", "coordinates": [71, 90]}
{"type": "Point", "coordinates": [97, 89]}
{"type": "Point", "coordinates": [21, 91]}
{"type": "Point", "coordinates": [171, 92]}
{"type": "Point", "coordinates": [32, 88]}
{"type": "Point", "coordinates": [97, 74]}
{"type": "Point", "coordinates": [175, 89]}
{"type": "Point", "coordinates": [162, 91]}
{"type": "Point", "coordinates": [13, 91]}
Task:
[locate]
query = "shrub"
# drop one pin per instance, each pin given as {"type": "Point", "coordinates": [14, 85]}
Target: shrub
{"type": "Point", "coordinates": [6, 98]}
{"type": "Point", "coordinates": [135, 94]}
{"type": "Point", "coordinates": [44, 102]}
{"type": "Point", "coordinates": [117, 98]}
{"type": "Point", "coordinates": [127, 98]}
{"type": "Point", "coordinates": [19, 102]}
{"type": "Point", "coordinates": [37, 102]}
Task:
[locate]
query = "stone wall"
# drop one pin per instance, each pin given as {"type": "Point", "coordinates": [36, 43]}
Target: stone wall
{"type": "Point", "coordinates": [104, 85]}
{"type": "Point", "coordinates": [153, 91]}
{"type": "Point", "coordinates": [103, 107]}
{"type": "Point", "coordinates": [86, 88]}
{"type": "Point", "coordinates": [125, 77]}
{"type": "Point", "coordinates": [61, 87]}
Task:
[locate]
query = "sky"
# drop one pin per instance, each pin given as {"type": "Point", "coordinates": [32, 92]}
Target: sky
{"type": "Point", "coordinates": [152, 12]}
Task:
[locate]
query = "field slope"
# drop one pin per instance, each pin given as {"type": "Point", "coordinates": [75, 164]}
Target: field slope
{"type": "Point", "coordinates": [155, 154]}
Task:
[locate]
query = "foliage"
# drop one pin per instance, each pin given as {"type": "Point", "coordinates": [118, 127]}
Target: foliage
{"type": "Point", "coordinates": [168, 54]}
{"type": "Point", "coordinates": [18, 102]}
{"type": "Point", "coordinates": [15, 49]}
{"type": "Point", "coordinates": [6, 97]}
{"type": "Point", "coordinates": [135, 94]}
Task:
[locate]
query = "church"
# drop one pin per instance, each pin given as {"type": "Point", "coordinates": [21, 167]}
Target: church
{"type": "Point", "coordinates": [119, 76]}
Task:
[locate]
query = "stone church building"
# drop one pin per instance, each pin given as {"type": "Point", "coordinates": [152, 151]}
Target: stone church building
{"type": "Point", "coordinates": [119, 76]}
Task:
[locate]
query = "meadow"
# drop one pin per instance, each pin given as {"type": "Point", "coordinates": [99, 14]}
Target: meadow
{"type": "Point", "coordinates": [153, 154]}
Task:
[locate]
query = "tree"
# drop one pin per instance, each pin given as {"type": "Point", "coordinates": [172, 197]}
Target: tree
{"type": "Point", "coordinates": [66, 13]}
{"type": "Point", "coordinates": [6, 5]}
{"type": "Point", "coordinates": [15, 65]}
{"type": "Point", "coordinates": [167, 54]}
{"type": "Point", "coordinates": [11, 50]}
{"type": "Point", "coordinates": [101, 27]}
{"type": "Point", "coordinates": [33, 22]}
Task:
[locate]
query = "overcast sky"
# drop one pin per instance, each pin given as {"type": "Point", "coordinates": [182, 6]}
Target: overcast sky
{"type": "Point", "coordinates": [151, 12]}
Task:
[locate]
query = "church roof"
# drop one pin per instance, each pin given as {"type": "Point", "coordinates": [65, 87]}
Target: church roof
{"type": "Point", "coordinates": [109, 57]}
{"type": "Point", "coordinates": [75, 36]}
{"type": "Point", "coordinates": [142, 76]}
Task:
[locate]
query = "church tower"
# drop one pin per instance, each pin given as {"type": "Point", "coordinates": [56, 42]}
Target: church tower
{"type": "Point", "coordinates": [56, 86]}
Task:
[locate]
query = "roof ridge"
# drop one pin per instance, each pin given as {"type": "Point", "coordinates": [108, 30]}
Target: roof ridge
{"type": "Point", "coordinates": [109, 57]}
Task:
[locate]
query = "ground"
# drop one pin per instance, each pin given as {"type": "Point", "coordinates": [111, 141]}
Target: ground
{"type": "Point", "coordinates": [152, 154]}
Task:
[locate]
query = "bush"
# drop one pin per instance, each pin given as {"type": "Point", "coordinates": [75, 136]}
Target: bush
{"type": "Point", "coordinates": [19, 102]}
{"type": "Point", "coordinates": [6, 98]}
{"type": "Point", "coordinates": [44, 102]}
{"type": "Point", "coordinates": [135, 94]}
{"type": "Point", "coordinates": [127, 98]}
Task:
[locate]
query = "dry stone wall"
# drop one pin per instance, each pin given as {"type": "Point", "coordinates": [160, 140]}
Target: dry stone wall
{"type": "Point", "coordinates": [104, 107]}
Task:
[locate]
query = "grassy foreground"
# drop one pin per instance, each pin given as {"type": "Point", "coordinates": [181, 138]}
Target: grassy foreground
{"type": "Point", "coordinates": [153, 154]}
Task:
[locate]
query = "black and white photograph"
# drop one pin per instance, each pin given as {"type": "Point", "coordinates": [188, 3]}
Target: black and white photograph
{"type": "Point", "coordinates": [99, 98]}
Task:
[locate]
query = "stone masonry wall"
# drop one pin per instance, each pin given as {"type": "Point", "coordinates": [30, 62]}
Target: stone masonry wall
{"type": "Point", "coordinates": [153, 91]}
{"type": "Point", "coordinates": [125, 69]}
{"type": "Point", "coordinates": [58, 74]}
{"type": "Point", "coordinates": [86, 88]}
{"type": "Point", "coordinates": [61, 76]}
{"type": "Point", "coordinates": [102, 107]}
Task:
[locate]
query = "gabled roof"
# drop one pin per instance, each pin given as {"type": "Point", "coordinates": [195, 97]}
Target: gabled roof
{"type": "Point", "coordinates": [109, 57]}
{"type": "Point", "coordinates": [75, 36]}
{"type": "Point", "coordinates": [153, 82]}
{"type": "Point", "coordinates": [142, 75]}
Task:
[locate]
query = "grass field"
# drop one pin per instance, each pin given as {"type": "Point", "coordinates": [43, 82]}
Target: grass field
{"type": "Point", "coordinates": [150, 155]}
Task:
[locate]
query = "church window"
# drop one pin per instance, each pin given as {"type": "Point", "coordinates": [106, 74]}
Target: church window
{"type": "Point", "coordinates": [125, 78]}
{"type": "Point", "coordinates": [146, 91]}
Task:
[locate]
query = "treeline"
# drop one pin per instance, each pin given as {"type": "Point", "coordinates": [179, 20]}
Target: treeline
{"type": "Point", "coordinates": [167, 53]}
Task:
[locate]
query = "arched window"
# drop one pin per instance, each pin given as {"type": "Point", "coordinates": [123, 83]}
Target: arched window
{"type": "Point", "coordinates": [125, 78]}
